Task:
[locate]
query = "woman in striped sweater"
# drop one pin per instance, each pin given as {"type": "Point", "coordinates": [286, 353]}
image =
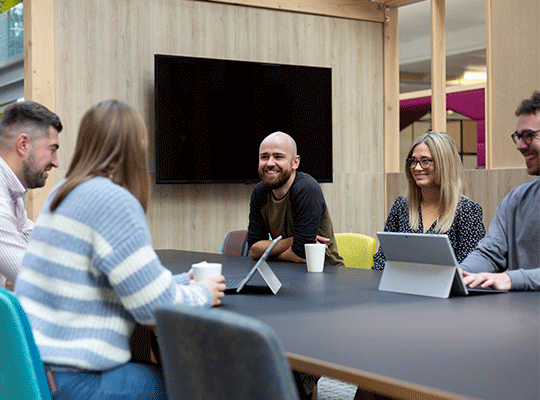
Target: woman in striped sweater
{"type": "Point", "coordinates": [90, 272]}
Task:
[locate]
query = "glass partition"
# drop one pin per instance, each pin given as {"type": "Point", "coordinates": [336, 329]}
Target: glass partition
{"type": "Point", "coordinates": [11, 32]}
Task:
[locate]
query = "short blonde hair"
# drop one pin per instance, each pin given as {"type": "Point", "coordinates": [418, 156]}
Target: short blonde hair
{"type": "Point", "coordinates": [111, 143]}
{"type": "Point", "coordinates": [448, 177]}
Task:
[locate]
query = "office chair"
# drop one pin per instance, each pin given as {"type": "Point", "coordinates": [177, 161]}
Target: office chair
{"type": "Point", "coordinates": [356, 249]}
{"type": "Point", "coordinates": [217, 354]}
{"type": "Point", "coordinates": [22, 376]}
{"type": "Point", "coordinates": [235, 243]}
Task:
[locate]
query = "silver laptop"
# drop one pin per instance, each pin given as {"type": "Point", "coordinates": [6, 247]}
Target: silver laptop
{"type": "Point", "coordinates": [422, 264]}
{"type": "Point", "coordinates": [264, 270]}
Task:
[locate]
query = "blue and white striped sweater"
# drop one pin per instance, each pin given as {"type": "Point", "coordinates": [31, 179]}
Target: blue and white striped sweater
{"type": "Point", "coordinates": [90, 273]}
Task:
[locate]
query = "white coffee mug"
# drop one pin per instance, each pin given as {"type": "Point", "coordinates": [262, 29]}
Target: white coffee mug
{"type": "Point", "coordinates": [315, 253]}
{"type": "Point", "coordinates": [205, 270]}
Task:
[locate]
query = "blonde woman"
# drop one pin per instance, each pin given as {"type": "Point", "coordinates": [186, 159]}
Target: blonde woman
{"type": "Point", "coordinates": [90, 272]}
{"type": "Point", "coordinates": [435, 202]}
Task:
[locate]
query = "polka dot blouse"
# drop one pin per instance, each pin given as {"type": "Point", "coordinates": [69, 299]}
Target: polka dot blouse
{"type": "Point", "coordinates": [465, 232]}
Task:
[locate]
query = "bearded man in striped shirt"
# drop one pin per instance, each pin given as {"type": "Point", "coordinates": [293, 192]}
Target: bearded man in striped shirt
{"type": "Point", "coordinates": [28, 146]}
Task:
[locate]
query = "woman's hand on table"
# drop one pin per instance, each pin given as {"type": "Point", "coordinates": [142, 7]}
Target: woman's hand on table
{"type": "Point", "coordinates": [216, 284]}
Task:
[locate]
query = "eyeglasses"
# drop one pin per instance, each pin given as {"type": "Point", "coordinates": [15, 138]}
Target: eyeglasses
{"type": "Point", "coordinates": [527, 136]}
{"type": "Point", "coordinates": [424, 162]}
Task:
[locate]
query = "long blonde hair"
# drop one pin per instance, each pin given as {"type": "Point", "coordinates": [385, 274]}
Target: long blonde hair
{"type": "Point", "coordinates": [448, 178]}
{"type": "Point", "coordinates": [111, 143]}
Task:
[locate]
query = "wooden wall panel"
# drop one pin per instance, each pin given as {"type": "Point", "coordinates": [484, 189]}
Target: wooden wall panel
{"type": "Point", "coordinates": [106, 49]}
{"type": "Point", "coordinates": [488, 187]}
{"type": "Point", "coordinates": [514, 71]}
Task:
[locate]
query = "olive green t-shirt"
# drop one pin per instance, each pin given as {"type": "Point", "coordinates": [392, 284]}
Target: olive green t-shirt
{"type": "Point", "coordinates": [301, 213]}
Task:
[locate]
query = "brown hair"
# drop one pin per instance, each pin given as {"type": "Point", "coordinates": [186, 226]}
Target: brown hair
{"type": "Point", "coordinates": [30, 117]}
{"type": "Point", "coordinates": [111, 143]}
{"type": "Point", "coordinates": [529, 106]}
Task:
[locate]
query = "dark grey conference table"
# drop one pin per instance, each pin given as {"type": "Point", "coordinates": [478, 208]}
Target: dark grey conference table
{"type": "Point", "coordinates": [338, 324]}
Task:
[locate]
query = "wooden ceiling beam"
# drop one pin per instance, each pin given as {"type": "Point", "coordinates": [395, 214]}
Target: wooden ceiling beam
{"type": "Point", "coordinates": [350, 9]}
{"type": "Point", "coordinates": [399, 3]}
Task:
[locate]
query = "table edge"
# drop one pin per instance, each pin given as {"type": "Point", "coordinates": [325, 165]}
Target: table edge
{"type": "Point", "coordinates": [380, 384]}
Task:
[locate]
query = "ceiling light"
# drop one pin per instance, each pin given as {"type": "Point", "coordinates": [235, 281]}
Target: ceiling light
{"type": "Point", "coordinates": [474, 76]}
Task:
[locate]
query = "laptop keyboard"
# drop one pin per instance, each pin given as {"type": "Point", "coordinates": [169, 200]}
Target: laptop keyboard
{"type": "Point", "coordinates": [233, 283]}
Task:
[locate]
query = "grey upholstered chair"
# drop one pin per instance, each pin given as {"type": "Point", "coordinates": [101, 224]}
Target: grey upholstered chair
{"type": "Point", "coordinates": [216, 354]}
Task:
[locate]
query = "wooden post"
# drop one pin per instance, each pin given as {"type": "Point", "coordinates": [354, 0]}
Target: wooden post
{"type": "Point", "coordinates": [489, 89]}
{"type": "Point", "coordinates": [391, 90]}
{"type": "Point", "coordinates": [39, 76]}
{"type": "Point", "coordinates": [438, 65]}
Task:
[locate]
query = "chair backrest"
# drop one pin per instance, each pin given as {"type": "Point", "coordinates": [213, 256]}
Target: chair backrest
{"type": "Point", "coordinates": [22, 376]}
{"type": "Point", "coordinates": [216, 354]}
{"type": "Point", "coordinates": [356, 249]}
{"type": "Point", "coordinates": [235, 243]}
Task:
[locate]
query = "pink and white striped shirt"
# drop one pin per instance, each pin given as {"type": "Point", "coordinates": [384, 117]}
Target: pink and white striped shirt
{"type": "Point", "coordinates": [15, 227]}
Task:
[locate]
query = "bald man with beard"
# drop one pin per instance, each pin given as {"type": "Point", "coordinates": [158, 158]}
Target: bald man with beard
{"type": "Point", "coordinates": [289, 203]}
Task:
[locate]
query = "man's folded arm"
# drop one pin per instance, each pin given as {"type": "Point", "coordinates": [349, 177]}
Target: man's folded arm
{"type": "Point", "coordinates": [281, 251]}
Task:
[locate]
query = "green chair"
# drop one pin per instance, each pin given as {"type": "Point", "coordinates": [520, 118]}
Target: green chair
{"type": "Point", "coordinates": [356, 249]}
{"type": "Point", "coordinates": [22, 376]}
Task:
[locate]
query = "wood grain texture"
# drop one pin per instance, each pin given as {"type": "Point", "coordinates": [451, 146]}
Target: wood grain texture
{"type": "Point", "coordinates": [513, 35]}
{"type": "Point", "coordinates": [400, 3]}
{"type": "Point", "coordinates": [106, 50]}
{"type": "Point", "coordinates": [489, 87]}
{"type": "Point", "coordinates": [438, 65]}
{"type": "Point", "coordinates": [351, 9]}
{"type": "Point", "coordinates": [489, 187]}
{"type": "Point", "coordinates": [369, 382]}
{"type": "Point", "coordinates": [39, 78]}
{"type": "Point", "coordinates": [391, 90]}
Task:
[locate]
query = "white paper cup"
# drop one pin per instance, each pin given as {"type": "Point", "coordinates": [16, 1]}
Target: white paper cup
{"type": "Point", "coordinates": [205, 270]}
{"type": "Point", "coordinates": [315, 253]}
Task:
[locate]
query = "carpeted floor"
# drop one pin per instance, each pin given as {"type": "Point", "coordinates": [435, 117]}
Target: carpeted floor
{"type": "Point", "coordinates": [330, 389]}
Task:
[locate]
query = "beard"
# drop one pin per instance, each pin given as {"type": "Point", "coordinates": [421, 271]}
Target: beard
{"type": "Point", "coordinates": [32, 178]}
{"type": "Point", "coordinates": [274, 182]}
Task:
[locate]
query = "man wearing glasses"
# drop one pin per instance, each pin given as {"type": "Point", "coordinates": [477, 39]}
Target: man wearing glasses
{"type": "Point", "coordinates": [508, 257]}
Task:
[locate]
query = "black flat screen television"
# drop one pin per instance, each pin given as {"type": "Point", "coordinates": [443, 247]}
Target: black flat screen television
{"type": "Point", "coordinates": [211, 116]}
